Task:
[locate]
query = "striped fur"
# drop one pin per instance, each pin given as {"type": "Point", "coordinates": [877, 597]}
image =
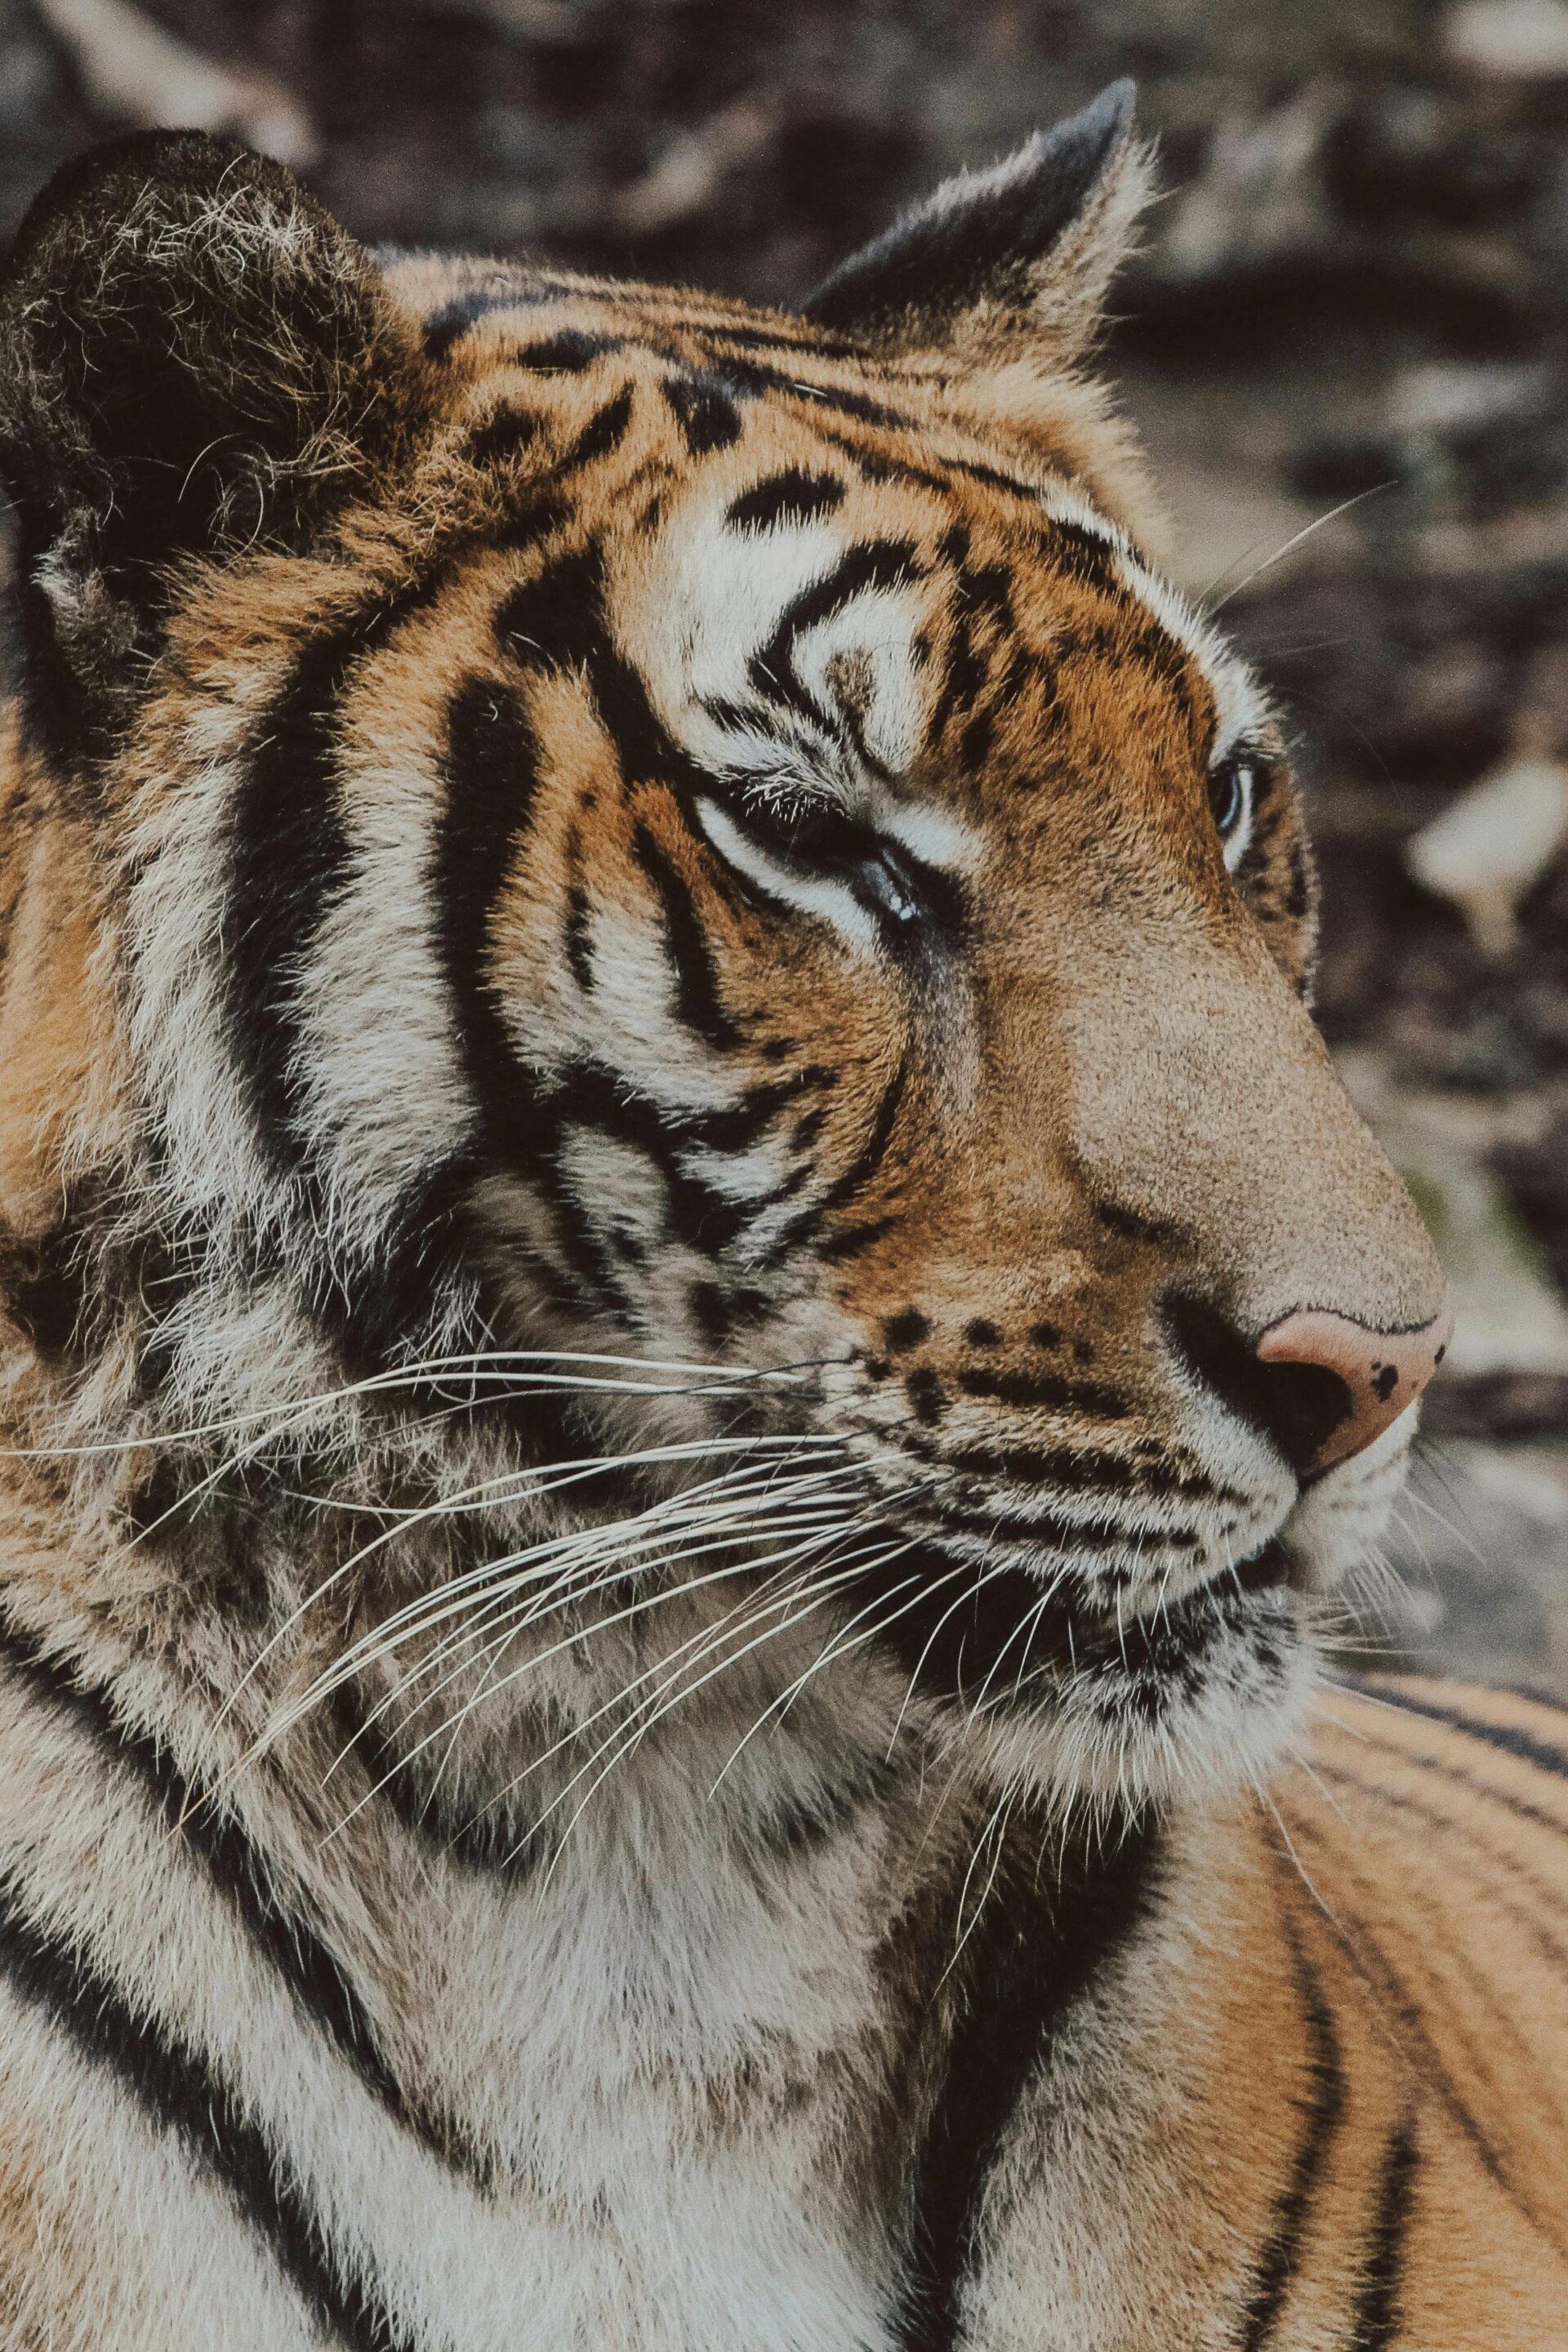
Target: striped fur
{"type": "Point", "coordinates": [658, 1658]}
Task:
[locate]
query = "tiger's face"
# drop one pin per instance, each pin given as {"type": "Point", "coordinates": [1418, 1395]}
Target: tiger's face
{"type": "Point", "coordinates": [716, 849]}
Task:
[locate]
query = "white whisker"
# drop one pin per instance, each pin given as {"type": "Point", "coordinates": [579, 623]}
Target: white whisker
{"type": "Point", "coordinates": [483, 1367]}
{"type": "Point", "coordinates": [639, 1533]}
{"type": "Point", "coordinates": [1295, 541]}
{"type": "Point", "coordinates": [660, 1597]}
{"type": "Point", "coordinates": [642, 1729]}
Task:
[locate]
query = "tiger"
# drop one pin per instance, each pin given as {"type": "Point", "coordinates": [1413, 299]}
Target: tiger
{"type": "Point", "coordinates": [696, 1341]}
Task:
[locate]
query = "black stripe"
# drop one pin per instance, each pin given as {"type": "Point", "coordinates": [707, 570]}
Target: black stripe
{"type": "Point", "coordinates": [598, 1101]}
{"type": "Point", "coordinates": [792, 496]}
{"type": "Point", "coordinates": [577, 936]}
{"type": "Point", "coordinates": [962, 1622]}
{"type": "Point", "coordinates": [1075, 1470]}
{"type": "Point", "coordinates": [590, 1095]}
{"type": "Point", "coordinates": [491, 782]}
{"type": "Point", "coordinates": [505, 433]}
{"type": "Point", "coordinates": [1044, 1937]}
{"type": "Point", "coordinates": [453, 319]}
{"type": "Point", "coordinates": [604, 432]}
{"type": "Point", "coordinates": [1377, 2313]}
{"type": "Point", "coordinates": [856, 1177]}
{"type": "Point", "coordinates": [1013, 485]}
{"type": "Point", "coordinates": [988, 1518]}
{"type": "Point", "coordinates": [887, 466]}
{"type": "Point", "coordinates": [1446, 1823]}
{"type": "Point", "coordinates": [1322, 2112]}
{"type": "Point", "coordinates": [958, 1625]}
{"type": "Point", "coordinates": [696, 1214]}
{"type": "Point", "coordinates": [188, 2101]}
{"type": "Point", "coordinates": [444, 326]}
{"type": "Point", "coordinates": [705, 411]}
{"type": "Point", "coordinates": [1444, 1769]}
{"type": "Point", "coordinates": [1034, 1388]}
{"type": "Point", "coordinates": [979, 588]}
{"type": "Point", "coordinates": [238, 1872]}
{"type": "Point", "coordinates": [1372, 1966]}
{"type": "Point", "coordinates": [567, 353]}
{"type": "Point", "coordinates": [1086, 557]}
{"type": "Point", "coordinates": [289, 854]}
{"type": "Point", "coordinates": [937, 472]}
{"type": "Point", "coordinates": [488, 1842]}
{"type": "Point", "coordinates": [774, 338]}
{"type": "Point", "coordinates": [1089, 558]}
{"type": "Point", "coordinates": [740, 1125]}
{"type": "Point", "coordinates": [1169, 662]}
{"type": "Point", "coordinates": [590, 1263]}
{"type": "Point", "coordinates": [982, 594]}
{"type": "Point", "coordinates": [556, 617]}
{"type": "Point", "coordinates": [974, 743]}
{"type": "Point", "coordinates": [854, 1241]}
{"type": "Point", "coordinates": [794, 1824]}
{"type": "Point", "coordinates": [697, 1002]}
{"type": "Point", "coordinates": [874, 565]}
{"type": "Point", "coordinates": [755, 378]}
{"type": "Point", "coordinates": [559, 619]}
{"type": "Point", "coordinates": [1506, 1737]}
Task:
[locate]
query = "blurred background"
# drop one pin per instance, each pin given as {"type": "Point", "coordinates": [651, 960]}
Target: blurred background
{"type": "Point", "coordinates": [1346, 344]}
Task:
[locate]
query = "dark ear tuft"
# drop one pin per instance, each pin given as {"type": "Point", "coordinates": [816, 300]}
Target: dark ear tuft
{"type": "Point", "coordinates": [1030, 245]}
{"type": "Point", "coordinates": [193, 357]}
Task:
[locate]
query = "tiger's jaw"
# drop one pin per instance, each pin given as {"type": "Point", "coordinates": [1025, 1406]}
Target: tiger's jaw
{"type": "Point", "coordinates": [1100, 1657]}
{"type": "Point", "coordinates": [1092, 1702]}
{"type": "Point", "coordinates": [1087, 1704]}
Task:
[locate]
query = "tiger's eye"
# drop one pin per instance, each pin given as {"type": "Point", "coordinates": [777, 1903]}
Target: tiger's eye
{"type": "Point", "coordinates": [1230, 794]}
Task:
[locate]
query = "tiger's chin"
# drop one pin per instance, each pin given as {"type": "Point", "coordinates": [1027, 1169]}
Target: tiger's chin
{"type": "Point", "coordinates": [1198, 1695]}
{"type": "Point", "coordinates": [1188, 1696]}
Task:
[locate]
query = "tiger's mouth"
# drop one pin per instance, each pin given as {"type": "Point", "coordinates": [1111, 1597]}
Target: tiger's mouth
{"type": "Point", "coordinates": [1000, 1640]}
{"type": "Point", "coordinates": [1095, 1706]}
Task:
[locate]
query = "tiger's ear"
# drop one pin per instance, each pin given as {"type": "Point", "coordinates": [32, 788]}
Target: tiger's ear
{"type": "Point", "coordinates": [194, 358]}
{"type": "Point", "coordinates": [1024, 252]}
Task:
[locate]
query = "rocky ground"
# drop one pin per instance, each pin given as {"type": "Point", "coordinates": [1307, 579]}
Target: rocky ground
{"type": "Point", "coordinates": [1355, 292]}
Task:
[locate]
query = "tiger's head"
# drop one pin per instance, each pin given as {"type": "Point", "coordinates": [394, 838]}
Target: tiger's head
{"type": "Point", "coordinates": [572, 831]}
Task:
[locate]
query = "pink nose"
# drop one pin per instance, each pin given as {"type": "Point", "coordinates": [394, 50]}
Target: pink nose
{"type": "Point", "coordinates": [1383, 1371]}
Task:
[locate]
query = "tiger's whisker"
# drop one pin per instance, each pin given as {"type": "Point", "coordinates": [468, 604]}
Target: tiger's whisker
{"type": "Point", "coordinates": [643, 1728]}
{"type": "Point", "coordinates": [994, 1833]}
{"type": "Point", "coordinates": [707, 1636]}
{"type": "Point", "coordinates": [701, 1643]}
{"type": "Point", "coordinates": [643, 1604]}
{"type": "Point", "coordinates": [704, 1379]}
{"type": "Point", "coordinates": [648, 1524]}
{"type": "Point", "coordinates": [521, 1613]}
{"type": "Point", "coordinates": [1295, 541]}
{"type": "Point", "coordinates": [779, 1589]}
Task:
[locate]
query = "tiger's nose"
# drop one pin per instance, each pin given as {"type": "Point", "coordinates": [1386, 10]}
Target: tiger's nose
{"type": "Point", "coordinates": [1382, 1373]}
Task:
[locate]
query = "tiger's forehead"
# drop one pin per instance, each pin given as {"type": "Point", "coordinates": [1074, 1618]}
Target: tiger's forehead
{"type": "Point", "coordinates": [797, 613]}
{"type": "Point", "coordinates": [810, 554]}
